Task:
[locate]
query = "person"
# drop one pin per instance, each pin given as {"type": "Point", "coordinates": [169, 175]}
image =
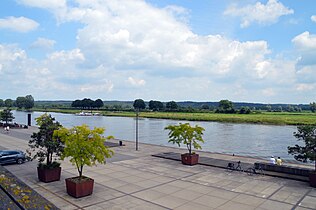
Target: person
{"type": "Point", "coordinates": [272, 160]}
{"type": "Point", "coordinates": [279, 161]}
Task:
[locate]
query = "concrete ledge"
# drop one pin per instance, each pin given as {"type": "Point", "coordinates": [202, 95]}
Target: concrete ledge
{"type": "Point", "coordinates": [21, 194]}
{"type": "Point", "coordinates": [284, 169]}
{"type": "Point", "coordinates": [223, 164]}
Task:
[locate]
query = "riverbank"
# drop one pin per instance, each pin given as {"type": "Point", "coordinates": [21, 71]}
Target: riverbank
{"type": "Point", "coordinates": [269, 118]}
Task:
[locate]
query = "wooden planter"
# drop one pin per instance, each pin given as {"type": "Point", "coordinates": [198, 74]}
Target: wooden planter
{"type": "Point", "coordinates": [312, 179]}
{"type": "Point", "coordinates": [48, 174]}
{"type": "Point", "coordinates": [188, 159]}
{"type": "Point", "coordinates": [79, 188]}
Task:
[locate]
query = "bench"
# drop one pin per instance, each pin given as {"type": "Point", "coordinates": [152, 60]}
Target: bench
{"type": "Point", "coordinates": [286, 169]}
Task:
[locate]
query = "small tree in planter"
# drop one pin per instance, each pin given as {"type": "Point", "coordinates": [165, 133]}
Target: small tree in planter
{"type": "Point", "coordinates": [84, 147]}
{"type": "Point", "coordinates": [307, 134]}
{"type": "Point", "coordinates": [45, 147]}
{"type": "Point", "coordinates": [190, 137]}
{"type": "Point", "coordinates": [6, 115]}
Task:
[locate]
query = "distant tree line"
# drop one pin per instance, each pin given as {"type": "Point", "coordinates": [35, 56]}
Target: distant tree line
{"type": "Point", "coordinates": [87, 103]}
{"type": "Point", "coordinates": [156, 105]}
{"type": "Point", "coordinates": [223, 106]}
{"type": "Point", "coordinates": [26, 102]}
{"type": "Point", "coordinates": [313, 106]}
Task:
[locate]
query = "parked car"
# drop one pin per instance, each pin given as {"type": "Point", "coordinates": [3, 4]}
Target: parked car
{"type": "Point", "coordinates": [12, 156]}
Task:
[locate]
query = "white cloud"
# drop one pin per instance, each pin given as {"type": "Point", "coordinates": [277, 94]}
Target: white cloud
{"type": "Point", "coordinates": [66, 56]}
{"type": "Point", "coordinates": [19, 24]}
{"type": "Point", "coordinates": [128, 41]}
{"type": "Point", "coordinates": [43, 43]}
{"type": "Point", "coordinates": [313, 18]}
{"type": "Point", "coordinates": [136, 82]}
{"type": "Point", "coordinates": [11, 59]}
{"type": "Point", "coordinates": [305, 41]}
{"type": "Point", "coordinates": [305, 44]}
{"type": "Point", "coordinates": [268, 13]}
{"type": "Point", "coordinates": [44, 4]}
{"type": "Point", "coordinates": [268, 92]}
{"type": "Point", "coordinates": [305, 87]}
{"type": "Point", "coordinates": [97, 88]}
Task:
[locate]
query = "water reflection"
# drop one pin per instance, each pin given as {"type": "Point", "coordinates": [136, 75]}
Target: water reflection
{"type": "Point", "coordinates": [239, 139]}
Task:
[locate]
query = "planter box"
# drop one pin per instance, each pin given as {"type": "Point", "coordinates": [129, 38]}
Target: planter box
{"type": "Point", "coordinates": [188, 159]}
{"type": "Point", "coordinates": [312, 179]}
{"type": "Point", "coordinates": [79, 188]}
{"type": "Point", "coordinates": [48, 175]}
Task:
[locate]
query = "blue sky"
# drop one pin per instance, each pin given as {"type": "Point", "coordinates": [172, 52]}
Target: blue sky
{"type": "Point", "coordinates": [206, 50]}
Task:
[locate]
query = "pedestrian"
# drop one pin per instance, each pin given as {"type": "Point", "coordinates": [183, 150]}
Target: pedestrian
{"type": "Point", "coordinates": [272, 160]}
{"type": "Point", "coordinates": [8, 128]}
{"type": "Point", "coordinates": [279, 161]}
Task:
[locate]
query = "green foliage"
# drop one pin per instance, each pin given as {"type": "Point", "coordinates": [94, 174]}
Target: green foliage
{"type": "Point", "coordinates": [6, 115]}
{"type": "Point", "coordinates": [84, 146]}
{"type": "Point", "coordinates": [87, 103]}
{"type": "Point", "coordinates": [244, 110]}
{"type": "Point", "coordinates": [20, 102]}
{"type": "Point", "coordinates": [187, 135]}
{"type": "Point", "coordinates": [26, 102]}
{"type": "Point", "coordinates": [8, 102]}
{"type": "Point", "coordinates": [313, 106]}
{"type": "Point", "coordinates": [139, 104]}
{"type": "Point", "coordinates": [43, 143]}
{"type": "Point", "coordinates": [54, 164]}
{"type": "Point", "coordinates": [98, 103]}
{"type": "Point", "coordinates": [1, 103]}
{"type": "Point", "coordinates": [155, 105]}
{"type": "Point", "coordinates": [225, 106]}
{"type": "Point", "coordinates": [29, 102]}
{"type": "Point", "coordinates": [307, 134]}
{"type": "Point", "coordinates": [205, 107]}
{"type": "Point", "coordinates": [171, 105]}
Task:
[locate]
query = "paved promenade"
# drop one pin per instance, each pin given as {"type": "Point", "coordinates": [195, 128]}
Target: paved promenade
{"type": "Point", "coordinates": [136, 180]}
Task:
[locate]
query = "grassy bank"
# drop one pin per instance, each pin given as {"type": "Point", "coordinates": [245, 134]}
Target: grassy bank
{"type": "Point", "coordinates": [274, 118]}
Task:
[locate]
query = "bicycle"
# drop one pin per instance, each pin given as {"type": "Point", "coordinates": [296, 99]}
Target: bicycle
{"type": "Point", "coordinates": [231, 167]}
{"type": "Point", "coordinates": [253, 170]}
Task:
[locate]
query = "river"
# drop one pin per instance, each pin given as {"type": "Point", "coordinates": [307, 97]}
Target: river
{"type": "Point", "coordinates": [230, 138]}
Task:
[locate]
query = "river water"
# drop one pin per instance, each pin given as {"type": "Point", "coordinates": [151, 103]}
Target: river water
{"type": "Point", "coordinates": [230, 138]}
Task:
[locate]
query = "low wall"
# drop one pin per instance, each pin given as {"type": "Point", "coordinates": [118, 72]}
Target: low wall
{"type": "Point", "coordinates": [284, 169]}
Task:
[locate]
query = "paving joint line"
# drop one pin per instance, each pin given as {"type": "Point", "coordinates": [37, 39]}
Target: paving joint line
{"type": "Point", "coordinates": [275, 192]}
{"type": "Point", "coordinates": [300, 200]}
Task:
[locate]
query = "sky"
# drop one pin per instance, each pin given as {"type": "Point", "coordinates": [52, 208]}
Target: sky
{"type": "Point", "coordinates": [184, 50]}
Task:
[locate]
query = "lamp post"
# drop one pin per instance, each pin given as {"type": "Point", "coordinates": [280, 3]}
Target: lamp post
{"type": "Point", "coordinates": [137, 113]}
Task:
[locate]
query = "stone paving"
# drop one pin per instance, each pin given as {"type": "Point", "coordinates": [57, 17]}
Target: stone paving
{"type": "Point", "coordinates": [136, 180]}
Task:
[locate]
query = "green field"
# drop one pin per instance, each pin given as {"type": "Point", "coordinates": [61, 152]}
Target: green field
{"type": "Point", "coordinates": [274, 118]}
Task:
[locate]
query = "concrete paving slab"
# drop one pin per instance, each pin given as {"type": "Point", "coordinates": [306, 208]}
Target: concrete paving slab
{"type": "Point", "coordinates": [248, 200]}
{"type": "Point", "coordinates": [231, 205]}
{"type": "Point", "coordinates": [192, 205]}
{"type": "Point", "coordinates": [210, 201]}
{"type": "Point", "coordinates": [269, 205]}
{"type": "Point", "coordinates": [170, 201]}
{"type": "Point", "coordinates": [309, 202]}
